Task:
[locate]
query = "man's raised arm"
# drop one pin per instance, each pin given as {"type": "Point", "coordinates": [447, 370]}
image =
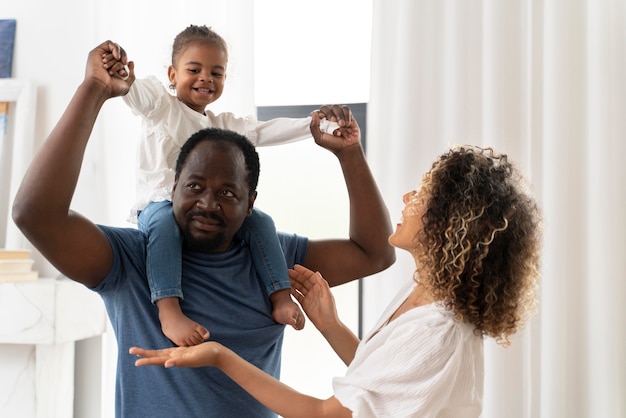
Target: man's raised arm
{"type": "Point", "coordinates": [41, 209]}
{"type": "Point", "coordinates": [367, 251]}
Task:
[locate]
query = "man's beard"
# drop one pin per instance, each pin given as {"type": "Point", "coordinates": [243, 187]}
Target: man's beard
{"type": "Point", "coordinates": [201, 244]}
{"type": "Point", "coordinates": [206, 245]}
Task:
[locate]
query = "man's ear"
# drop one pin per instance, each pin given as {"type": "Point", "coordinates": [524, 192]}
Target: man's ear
{"type": "Point", "coordinates": [251, 200]}
{"type": "Point", "coordinates": [173, 190]}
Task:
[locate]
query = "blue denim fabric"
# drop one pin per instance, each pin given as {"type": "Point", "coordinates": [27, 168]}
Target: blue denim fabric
{"type": "Point", "coordinates": [164, 250]}
{"type": "Point", "coordinates": [259, 232]}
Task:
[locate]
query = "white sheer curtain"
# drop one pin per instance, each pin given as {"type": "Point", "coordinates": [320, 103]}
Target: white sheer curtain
{"type": "Point", "coordinates": [544, 83]}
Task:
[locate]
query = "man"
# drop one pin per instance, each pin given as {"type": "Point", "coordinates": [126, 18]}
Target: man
{"type": "Point", "coordinates": [213, 193]}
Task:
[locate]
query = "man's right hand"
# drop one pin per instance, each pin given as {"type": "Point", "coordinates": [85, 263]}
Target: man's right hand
{"type": "Point", "coordinates": [106, 64]}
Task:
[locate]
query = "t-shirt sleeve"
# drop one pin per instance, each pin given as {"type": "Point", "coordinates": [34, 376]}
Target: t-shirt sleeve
{"type": "Point", "coordinates": [410, 374]}
{"type": "Point", "coordinates": [128, 245]}
{"type": "Point", "coordinates": [294, 248]}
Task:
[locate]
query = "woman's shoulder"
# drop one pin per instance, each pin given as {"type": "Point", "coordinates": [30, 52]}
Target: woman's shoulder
{"type": "Point", "coordinates": [432, 322]}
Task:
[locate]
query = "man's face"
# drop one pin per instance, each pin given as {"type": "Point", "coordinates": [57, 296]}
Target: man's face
{"type": "Point", "coordinates": [210, 198]}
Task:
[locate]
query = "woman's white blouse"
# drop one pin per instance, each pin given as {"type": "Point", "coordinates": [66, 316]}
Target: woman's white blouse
{"type": "Point", "coordinates": [422, 364]}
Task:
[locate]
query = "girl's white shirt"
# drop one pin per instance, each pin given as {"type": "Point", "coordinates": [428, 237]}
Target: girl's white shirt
{"type": "Point", "coordinates": [167, 123]}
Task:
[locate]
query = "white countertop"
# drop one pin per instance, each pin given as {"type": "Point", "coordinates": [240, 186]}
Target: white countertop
{"type": "Point", "coordinates": [49, 311]}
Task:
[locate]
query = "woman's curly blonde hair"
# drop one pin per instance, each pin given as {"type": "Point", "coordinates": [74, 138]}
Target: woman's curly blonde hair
{"type": "Point", "coordinates": [480, 241]}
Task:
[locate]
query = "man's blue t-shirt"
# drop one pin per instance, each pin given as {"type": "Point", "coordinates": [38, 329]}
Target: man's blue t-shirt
{"type": "Point", "coordinates": [222, 292]}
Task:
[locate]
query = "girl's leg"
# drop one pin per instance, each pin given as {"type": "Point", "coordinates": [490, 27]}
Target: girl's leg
{"type": "Point", "coordinates": [259, 232]}
{"type": "Point", "coordinates": [163, 268]}
{"type": "Point", "coordinates": [164, 250]}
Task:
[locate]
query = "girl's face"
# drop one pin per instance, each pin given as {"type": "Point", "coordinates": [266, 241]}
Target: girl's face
{"type": "Point", "coordinates": [409, 226]}
{"type": "Point", "coordinates": [199, 74]}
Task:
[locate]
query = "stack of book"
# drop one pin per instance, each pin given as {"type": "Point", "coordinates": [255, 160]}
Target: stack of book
{"type": "Point", "coordinates": [16, 266]}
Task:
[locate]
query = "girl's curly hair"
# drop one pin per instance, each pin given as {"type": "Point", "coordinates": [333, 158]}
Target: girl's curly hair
{"type": "Point", "coordinates": [480, 240]}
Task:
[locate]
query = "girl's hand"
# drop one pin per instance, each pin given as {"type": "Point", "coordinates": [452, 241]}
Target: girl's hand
{"type": "Point", "coordinates": [115, 61]}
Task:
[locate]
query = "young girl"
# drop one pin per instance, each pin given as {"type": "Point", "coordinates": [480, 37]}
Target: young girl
{"type": "Point", "coordinates": [197, 75]}
{"type": "Point", "coordinates": [474, 234]}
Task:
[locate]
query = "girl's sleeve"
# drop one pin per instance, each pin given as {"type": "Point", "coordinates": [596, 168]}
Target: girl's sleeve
{"type": "Point", "coordinates": [275, 131]}
{"type": "Point", "coordinates": [281, 131]}
{"type": "Point", "coordinates": [144, 96]}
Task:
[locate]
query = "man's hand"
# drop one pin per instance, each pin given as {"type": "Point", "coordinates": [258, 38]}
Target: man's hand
{"type": "Point", "coordinates": [108, 64]}
{"type": "Point", "coordinates": [348, 134]}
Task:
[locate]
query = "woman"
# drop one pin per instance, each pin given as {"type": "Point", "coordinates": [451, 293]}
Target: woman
{"type": "Point", "coordinates": [475, 235]}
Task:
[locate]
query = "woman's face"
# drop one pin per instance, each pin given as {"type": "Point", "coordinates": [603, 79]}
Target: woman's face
{"type": "Point", "coordinates": [411, 222]}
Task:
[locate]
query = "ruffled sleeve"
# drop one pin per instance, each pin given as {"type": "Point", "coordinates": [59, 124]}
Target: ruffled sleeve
{"type": "Point", "coordinates": [145, 96]}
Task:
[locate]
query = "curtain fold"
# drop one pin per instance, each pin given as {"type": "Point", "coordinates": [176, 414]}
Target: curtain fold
{"type": "Point", "coordinates": [542, 82]}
